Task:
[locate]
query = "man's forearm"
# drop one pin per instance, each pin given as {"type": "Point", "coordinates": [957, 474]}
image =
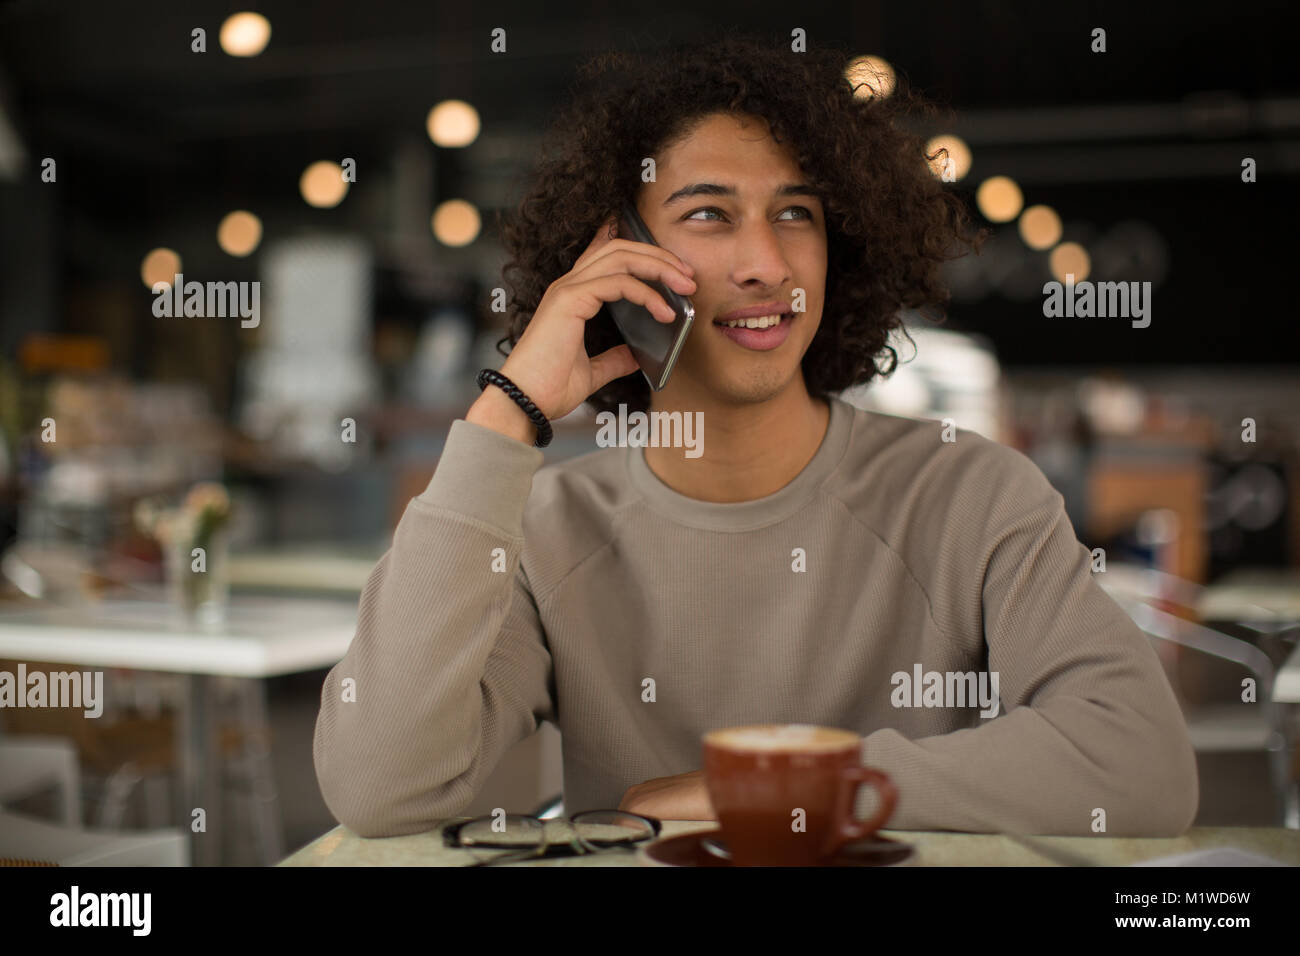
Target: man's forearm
{"type": "Point", "coordinates": [1046, 770]}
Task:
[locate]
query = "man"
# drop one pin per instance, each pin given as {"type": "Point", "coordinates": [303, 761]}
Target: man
{"type": "Point", "coordinates": [815, 564]}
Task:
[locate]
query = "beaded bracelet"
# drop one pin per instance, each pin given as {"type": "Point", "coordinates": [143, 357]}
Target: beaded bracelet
{"type": "Point", "coordinates": [490, 376]}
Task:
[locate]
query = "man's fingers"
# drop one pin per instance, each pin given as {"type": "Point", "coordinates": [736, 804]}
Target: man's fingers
{"type": "Point", "coordinates": [611, 364]}
{"type": "Point", "coordinates": [606, 234]}
{"type": "Point", "coordinates": [603, 244]}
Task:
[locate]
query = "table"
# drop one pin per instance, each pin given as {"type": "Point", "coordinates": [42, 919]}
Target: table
{"type": "Point", "coordinates": [302, 570]}
{"type": "Point", "coordinates": [1254, 595]}
{"type": "Point", "coordinates": [261, 637]}
{"type": "Point", "coordinates": [341, 847]}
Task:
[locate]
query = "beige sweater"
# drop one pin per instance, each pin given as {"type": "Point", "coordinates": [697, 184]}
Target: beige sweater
{"type": "Point", "coordinates": [513, 595]}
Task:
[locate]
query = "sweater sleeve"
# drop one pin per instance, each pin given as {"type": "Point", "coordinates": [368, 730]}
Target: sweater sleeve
{"type": "Point", "coordinates": [1088, 719]}
{"type": "Point", "coordinates": [449, 666]}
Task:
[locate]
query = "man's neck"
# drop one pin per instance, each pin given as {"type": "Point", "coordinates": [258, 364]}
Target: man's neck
{"type": "Point", "coordinates": [749, 451]}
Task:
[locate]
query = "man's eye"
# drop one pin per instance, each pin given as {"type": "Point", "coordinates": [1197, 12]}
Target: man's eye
{"type": "Point", "coordinates": [802, 209]}
{"type": "Point", "coordinates": [709, 209]}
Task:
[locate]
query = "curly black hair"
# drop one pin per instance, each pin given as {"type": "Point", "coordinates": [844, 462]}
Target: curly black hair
{"type": "Point", "coordinates": [890, 222]}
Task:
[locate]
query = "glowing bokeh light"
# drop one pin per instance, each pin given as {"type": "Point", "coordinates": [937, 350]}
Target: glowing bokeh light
{"type": "Point", "coordinates": [452, 123]}
{"type": "Point", "coordinates": [322, 184]}
{"type": "Point", "coordinates": [456, 223]}
{"type": "Point", "coordinates": [239, 233]}
{"type": "Point", "coordinates": [1040, 227]}
{"type": "Point", "coordinates": [871, 75]}
{"type": "Point", "coordinates": [160, 265]}
{"type": "Point", "coordinates": [245, 34]}
{"type": "Point", "coordinates": [958, 155]}
{"type": "Point", "coordinates": [999, 199]}
{"type": "Point", "coordinates": [1070, 258]}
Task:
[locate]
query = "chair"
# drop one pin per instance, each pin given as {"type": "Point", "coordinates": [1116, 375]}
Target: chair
{"type": "Point", "coordinates": [133, 751]}
{"type": "Point", "coordinates": [30, 764]}
{"type": "Point", "coordinates": [244, 745]}
{"type": "Point", "coordinates": [1214, 729]}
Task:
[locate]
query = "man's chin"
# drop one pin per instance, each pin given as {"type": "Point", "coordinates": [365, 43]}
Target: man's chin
{"type": "Point", "coordinates": [754, 391]}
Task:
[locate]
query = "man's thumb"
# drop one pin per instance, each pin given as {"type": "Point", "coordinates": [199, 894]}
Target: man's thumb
{"type": "Point", "coordinates": [611, 364]}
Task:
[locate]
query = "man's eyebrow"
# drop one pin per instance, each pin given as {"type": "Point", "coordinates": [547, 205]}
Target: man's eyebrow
{"type": "Point", "coordinates": [717, 189]}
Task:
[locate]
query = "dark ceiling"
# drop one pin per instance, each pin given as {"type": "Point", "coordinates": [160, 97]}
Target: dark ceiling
{"type": "Point", "coordinates": [117, 85]}
{"type": "Point", "coordinates": [154, 137]}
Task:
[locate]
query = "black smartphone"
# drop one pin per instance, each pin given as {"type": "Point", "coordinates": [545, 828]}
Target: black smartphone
{"type": "Point", "coordinates": [655, 345]}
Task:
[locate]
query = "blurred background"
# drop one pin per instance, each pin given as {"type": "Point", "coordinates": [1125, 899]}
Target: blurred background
{"type": "Point", "coordinates": [191, 505]}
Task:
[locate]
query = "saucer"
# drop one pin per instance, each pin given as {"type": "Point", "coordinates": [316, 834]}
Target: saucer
{"type": "Point", "coordinates": [693, 849]}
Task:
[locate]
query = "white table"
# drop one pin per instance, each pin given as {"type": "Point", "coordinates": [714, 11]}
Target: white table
{"type": "Point", "coordinates": [261, 637]}
{"type": "Point", "coordinates": [317, 571]}
{"type": "Point", "coordinates": [1268, 596]}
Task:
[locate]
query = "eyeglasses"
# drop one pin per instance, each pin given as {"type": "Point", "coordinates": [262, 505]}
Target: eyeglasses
{"type": "Point", "coordinates": [533, 838]}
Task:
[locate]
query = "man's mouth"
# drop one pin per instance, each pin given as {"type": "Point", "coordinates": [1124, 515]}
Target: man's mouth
{"type": "Point", "coordinates": [758, 333]}
{"type": "Point", "coordinates": [755, 322]}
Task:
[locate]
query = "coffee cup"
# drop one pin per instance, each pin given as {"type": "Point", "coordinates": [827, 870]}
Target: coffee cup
{"type": "Point", "coordinates": [785, 794]}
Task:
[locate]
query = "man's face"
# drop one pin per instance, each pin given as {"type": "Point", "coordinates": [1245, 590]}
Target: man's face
{"type": "Point", "coordinates": [750, 244]}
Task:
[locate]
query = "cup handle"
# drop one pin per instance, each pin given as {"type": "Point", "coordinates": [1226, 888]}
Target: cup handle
{"type": "Point", "coordinates": [847, 828]}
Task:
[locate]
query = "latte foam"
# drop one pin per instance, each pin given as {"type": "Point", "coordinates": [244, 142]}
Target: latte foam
{"type": "Point", "coordinates": [768, 738]}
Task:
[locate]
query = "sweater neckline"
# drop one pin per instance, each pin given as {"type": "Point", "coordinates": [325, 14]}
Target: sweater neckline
{"type": "Point", "coordinates": [758, 512]}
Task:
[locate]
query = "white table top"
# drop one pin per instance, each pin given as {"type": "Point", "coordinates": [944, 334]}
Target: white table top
{"type": "Point", "coordinates": [303, 569]}
{"type": "Point", "coordinates": [1255, 595]}
{"type": "Point", "coordinates": [262, 637]}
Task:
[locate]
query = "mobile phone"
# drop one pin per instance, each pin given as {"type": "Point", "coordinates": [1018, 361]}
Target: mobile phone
{"type": "Point", "coordinates": [655, 345]}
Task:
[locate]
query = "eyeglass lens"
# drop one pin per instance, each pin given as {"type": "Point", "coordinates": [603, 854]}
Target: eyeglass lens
{"type": "Point", "coordinates": [601, 827]}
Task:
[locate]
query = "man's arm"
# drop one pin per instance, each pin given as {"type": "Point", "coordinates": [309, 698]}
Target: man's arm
{"type": "Point", "coordinates": [448, 667]}
{"type": "Point", "coordinates": [1088, 719]}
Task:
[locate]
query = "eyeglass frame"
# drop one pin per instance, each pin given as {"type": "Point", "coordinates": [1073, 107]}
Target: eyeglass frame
{"type": "Point", "coordinates": [578, 846]}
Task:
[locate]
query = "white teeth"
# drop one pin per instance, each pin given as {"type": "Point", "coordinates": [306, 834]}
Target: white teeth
{"type": "Point", "coordinates": [759, 322]}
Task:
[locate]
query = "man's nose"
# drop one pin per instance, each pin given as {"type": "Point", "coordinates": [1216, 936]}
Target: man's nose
{"type": "Point", "coordinates": [760, 255]}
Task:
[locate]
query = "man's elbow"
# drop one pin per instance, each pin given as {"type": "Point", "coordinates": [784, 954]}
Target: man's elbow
{"type": "Point", "coordinates": [378, 820]}
{"type": "Point", "coordinates": [1164, 795]}
{"type": "Point", "coordinates": [369, 813]}
{"type": "Point", "coordinates": [371, 807]}
{"type": "Point", "coordinates": [1182, 794]}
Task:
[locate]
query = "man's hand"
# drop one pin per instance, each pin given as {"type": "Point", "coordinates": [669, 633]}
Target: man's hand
{"type": "Point", "coordinates": [683, 797]}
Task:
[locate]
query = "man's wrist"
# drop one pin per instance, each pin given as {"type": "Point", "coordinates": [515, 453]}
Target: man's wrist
{"type": "Point", "coordinates": [496, 410]}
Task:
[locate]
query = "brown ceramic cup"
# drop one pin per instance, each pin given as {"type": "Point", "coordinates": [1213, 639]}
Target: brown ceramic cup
{"type": "Point", "coordinates": [785, 793]}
